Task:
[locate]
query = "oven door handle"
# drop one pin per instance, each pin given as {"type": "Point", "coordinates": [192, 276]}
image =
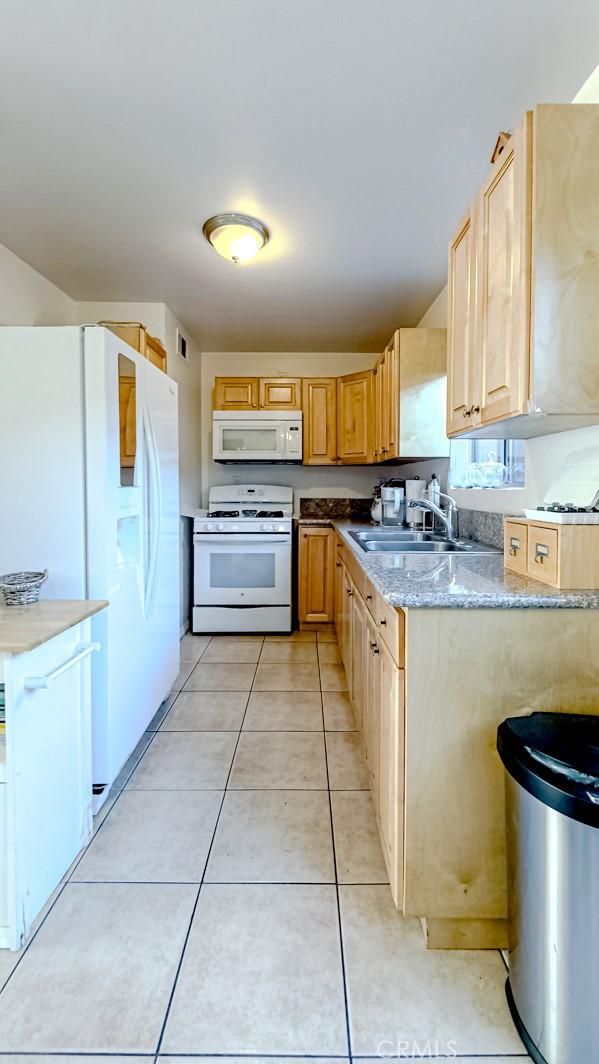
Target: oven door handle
{"type": "Point", "coordinates": [247, 537]}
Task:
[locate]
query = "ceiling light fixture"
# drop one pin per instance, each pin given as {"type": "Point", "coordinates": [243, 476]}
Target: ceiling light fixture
{"type": "Point", "coordinates": [237, 237]}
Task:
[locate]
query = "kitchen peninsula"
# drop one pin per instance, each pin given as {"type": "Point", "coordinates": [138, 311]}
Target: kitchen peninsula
{"type": "Point", "coordinates": [438, 649]}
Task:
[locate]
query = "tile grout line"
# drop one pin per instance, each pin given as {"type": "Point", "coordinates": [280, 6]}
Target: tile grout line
{"type": "Point", "coordinates": [341, 948]}
{"type": "Point", "coordinates": [199, 890]}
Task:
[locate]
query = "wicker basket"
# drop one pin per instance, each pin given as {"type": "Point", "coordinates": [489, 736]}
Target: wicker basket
{"type": "Point", "coordinates": [22, 589]}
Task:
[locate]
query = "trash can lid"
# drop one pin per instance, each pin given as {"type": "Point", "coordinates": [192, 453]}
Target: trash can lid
{"type": "Point", "coordinates": [555, 757]}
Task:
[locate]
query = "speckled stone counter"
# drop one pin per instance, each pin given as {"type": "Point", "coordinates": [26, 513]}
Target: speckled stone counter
{"type": "Point", "coordinates": [456, 580]}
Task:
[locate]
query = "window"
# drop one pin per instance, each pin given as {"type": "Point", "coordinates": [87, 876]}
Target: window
{"type": "Point", "coordinates": [486, 464]}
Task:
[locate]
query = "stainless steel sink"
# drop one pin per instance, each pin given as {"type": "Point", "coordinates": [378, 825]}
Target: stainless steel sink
{"type": "Point", "coordinates": [401, 541]}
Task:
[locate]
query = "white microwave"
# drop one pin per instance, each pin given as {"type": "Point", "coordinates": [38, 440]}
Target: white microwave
{"type": "Point", "coordinates": [263, 436]}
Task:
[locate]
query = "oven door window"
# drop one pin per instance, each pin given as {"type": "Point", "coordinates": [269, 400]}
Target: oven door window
{"type": "Point", "coordinates": [263, 440]}
{"type": "Point", "coordinates": [242, 573]}
{"type": "Point", "coordinates": [239, 571]}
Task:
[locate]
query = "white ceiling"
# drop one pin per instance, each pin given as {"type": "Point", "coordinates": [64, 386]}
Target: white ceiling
{"type": "Point", "coordinates": [356, 129]}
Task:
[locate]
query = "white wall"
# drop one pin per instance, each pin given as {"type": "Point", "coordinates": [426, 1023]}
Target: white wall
{"type": "Point", "coordinates": [306, 481]}
{"type": "Point", "coordinates": [27, 298]}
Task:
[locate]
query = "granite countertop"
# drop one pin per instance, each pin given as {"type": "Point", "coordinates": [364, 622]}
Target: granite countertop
{"type": "Point", "coordinates": [326, 522]}
{"type": "Point", "coordinates": [457, 580]}
{"type": "Point", "coordinates": [23, 628]}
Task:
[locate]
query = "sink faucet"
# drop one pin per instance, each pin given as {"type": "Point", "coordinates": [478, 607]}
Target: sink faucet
{"type": "Point", "coordinates": [447, 519]}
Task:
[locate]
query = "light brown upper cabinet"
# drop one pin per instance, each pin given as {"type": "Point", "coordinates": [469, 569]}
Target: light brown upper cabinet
{"type": "Point", "coordinates": [523, 277]}
{"type": "Point", "coordinates": [316, 574]}
{"type": "Point", "coordinates": [409, 396]}
{"type": "Point", "coordinates": [319, 403]}
{"type": "Point", "coordinates": [354, 418]}
{"type": "Point", "coordinates": [460, 301]}
{"type": "Point", "coordinates": [280, 393]}
{"type": "Point", "coordinates": [236, 393]}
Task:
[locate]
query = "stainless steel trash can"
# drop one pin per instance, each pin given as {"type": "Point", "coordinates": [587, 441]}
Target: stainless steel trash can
{"type": "Point", "coordinates": [552, 763]}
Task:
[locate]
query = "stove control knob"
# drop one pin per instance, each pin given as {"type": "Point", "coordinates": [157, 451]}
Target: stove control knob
{"type": "Point", "coordinates": [265, 528]}
{"type": "Point", "coordinates": [208, 528]}
{"type": "Point", "coordinates": [280, 528]}
{"type": "Point", "coordinates": [220, 528]}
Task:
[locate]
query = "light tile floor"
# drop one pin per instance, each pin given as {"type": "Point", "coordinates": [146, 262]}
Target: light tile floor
{"type": "Point", "coordinates": [234, 901]}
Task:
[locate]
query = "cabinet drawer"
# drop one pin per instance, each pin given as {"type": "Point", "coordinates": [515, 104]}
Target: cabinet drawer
{"type": "Point", "coordinates": [515, 551]}
{"type": "Point", "coordinates": [543, 545]}
{"type": "Point", "coordinates": [390, 623]}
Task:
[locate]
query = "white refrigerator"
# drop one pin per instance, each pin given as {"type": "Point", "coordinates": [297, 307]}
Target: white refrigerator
{"type": "Point", "coordinates": [89, 490]}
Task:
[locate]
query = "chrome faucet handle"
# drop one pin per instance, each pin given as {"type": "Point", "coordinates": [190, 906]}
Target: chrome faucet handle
{"type": "Point", "coordinates": [453, 513]}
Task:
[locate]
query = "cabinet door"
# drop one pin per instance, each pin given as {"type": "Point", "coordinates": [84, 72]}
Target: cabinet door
{"type": "Point", "coordinates": [372, 724]}
{"type": "Point", "coordinates": [377, 441]}
{"type": "Point", "coordinates": [316, 574]}
{"type": "Point", "coordinates": [280, 393]}
{"type": "Point", "coordinates": [127, 421]}
{"type": "Point", "coordinates": [390, 405]}
{"type": "Point", "coordinates": [236, 393]}
{"type": "Point", "coordinates": [155, 352]}
{"type": "Point", "coordinates": [339, 599]}
{"type": "Point", "coordinates": [461, 297]}
{"type": "Point", "coordinates": [319, 404]}
{"type": "Point", "coordinates": [503, 283]}
{"type": "Point", "coordinates": [354, 418]}
{"type": "Point", "coordinates": [391, 772]}
{"type": "Point", "coordinates": [359, 645]}
{"type": "Point", "coordinates": [345, 644]}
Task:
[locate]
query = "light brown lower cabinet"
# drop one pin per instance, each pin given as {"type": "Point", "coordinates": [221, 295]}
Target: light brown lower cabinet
{"type": "Point", "coordinates": [316, 574]}
{"type": "Point", "coordinates": [429, 691]}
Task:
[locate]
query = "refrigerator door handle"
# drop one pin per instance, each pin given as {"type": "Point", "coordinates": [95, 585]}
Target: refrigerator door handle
{"type": "Point", "coordinates": [153, 511]}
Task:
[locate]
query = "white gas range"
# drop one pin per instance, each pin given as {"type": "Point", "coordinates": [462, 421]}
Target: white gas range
{"type": "Point", "coordinates": [242, 560]}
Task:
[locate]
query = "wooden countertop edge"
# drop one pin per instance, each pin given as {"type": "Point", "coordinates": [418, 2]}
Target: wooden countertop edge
{"type": "Point", "coordinates": [43, 621]}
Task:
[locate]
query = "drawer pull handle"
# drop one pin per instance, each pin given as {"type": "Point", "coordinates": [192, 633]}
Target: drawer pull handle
{"type": "Point", "coordinates": [541, 552]}
{"type": "Point", "coordinates": [514, 551]}
{"type": "Point", "coordinates": [374, 648]}
{"type": "Point", "coordinates": [383, 622]}
{"type": "Point", "coordinates": [348, 591]}
{"type": "Point", "coordinates": [475, 410]}
{"type": "Point", "coordinates": [369, 598]}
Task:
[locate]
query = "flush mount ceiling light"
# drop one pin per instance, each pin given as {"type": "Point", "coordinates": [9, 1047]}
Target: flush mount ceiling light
{"type": "Point", "coordinates": [236, 237]}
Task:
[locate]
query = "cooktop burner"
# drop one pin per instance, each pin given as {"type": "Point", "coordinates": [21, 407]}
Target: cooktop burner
{"type": "Point", "coordinates": [223, 513]}
{"type": "Point", "coordinates": [270, 513]}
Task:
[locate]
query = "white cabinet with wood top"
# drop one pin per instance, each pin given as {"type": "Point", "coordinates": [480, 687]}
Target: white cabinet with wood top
{"type": "Point", "coordinates": [523, 319]}
{"type": "Point", "coordinates": [45, 756]}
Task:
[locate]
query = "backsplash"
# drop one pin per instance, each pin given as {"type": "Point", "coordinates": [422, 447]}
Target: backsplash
{"type": "Point", "coordinates": [346, 509]}
{"type": "Point", "coordinates": [482, 526]}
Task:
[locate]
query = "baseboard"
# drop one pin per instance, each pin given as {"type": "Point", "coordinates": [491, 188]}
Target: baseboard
{"type": "Point", "coordinates": [184, 628]}
{"type": "Point", "coordinates": [465, 934]}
